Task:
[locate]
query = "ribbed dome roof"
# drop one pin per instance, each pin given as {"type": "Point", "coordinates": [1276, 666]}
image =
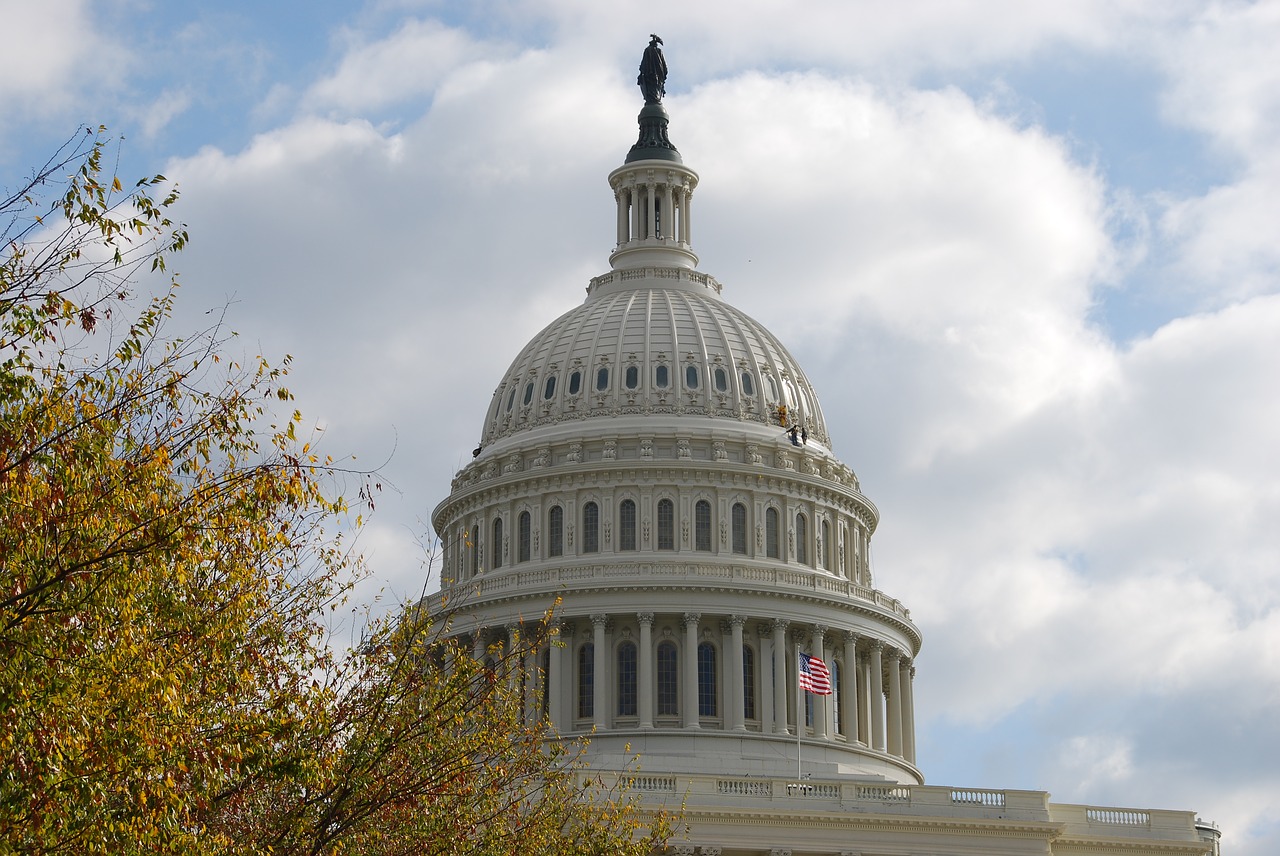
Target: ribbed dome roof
{"type": "Point", "coordinates": [653, 341]}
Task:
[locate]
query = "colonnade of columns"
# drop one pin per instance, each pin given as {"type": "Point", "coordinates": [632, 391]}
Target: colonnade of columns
{"type": "Point", "coordinates": [871, 704]}
{"type": "Point", "coordinates": [648, 209]}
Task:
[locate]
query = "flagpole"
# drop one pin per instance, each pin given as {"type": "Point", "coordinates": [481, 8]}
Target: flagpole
{"type": "Point", "coordinates": [800, 699]}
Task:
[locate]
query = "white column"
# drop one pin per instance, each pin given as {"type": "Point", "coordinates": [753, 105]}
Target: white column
{"type": "Point", "coordinates": [644, 678]}
{"type": "Point", "coordinates": [821, 718]}
{"type": "Point", "coordinates": [908, 711]}
{"type": "Point", "coordinates": [649, 218]}
{"type": "Point", "coordinates": [864, 698]}
{"type": "Point", "coordinates": [894, 716]}
{"type": "Point", "coordinates": [877, 695]}
{"type": "Point", "coordinates": [668, 213]}
{"type": "Point", "coordinates": [511, 659]}
{"type": "Point", "coordinates": [734, 686]}
{"type": "Point", "coordinates": [637, 213]}
{"type": "Point", "coordinates": [556, 673]}
{"type": "Point", "coordinates": [849, 687]}
{"type": "Point", "coordinates": [780, 677]}
{"type": "Point", "coordinates": [691, 669]}
{"type": "Point", "coordinates": [478, 646]}
{"type": "Point", "coordinates": [623, 197]}
{"type": "Point", "coordinates": [687, 195]}
{"type": "Point", "coordinates": [599, 680]}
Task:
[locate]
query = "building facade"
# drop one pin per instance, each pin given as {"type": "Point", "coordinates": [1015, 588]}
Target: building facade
{"type": "Point", "coordinates": [655, 465]}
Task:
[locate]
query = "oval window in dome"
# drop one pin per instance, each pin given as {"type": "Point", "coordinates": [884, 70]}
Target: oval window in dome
{"type": "Point", "coordinates": [722, 380]}
{"type": "Point", "coordinates": [550, 389]}
{"type": "Point", "coordinates": [661, 377]}
{"type": "Point", "coordinates": [575, 383]}
{"type": "Point", "coordinates": [602, 379]}
{"type": "Point", "coordinates": [691, 377]}
{"type": "Point", "coordinates": [511, 399]}
{"type": "Point", "coordinates": [633, 377]}
{"type": "Point", "coordinates": [773, 387]}
{"type": "Point", "coordinates": [748, 388]}
{"type": "Point", "coordinates": [528, 393]}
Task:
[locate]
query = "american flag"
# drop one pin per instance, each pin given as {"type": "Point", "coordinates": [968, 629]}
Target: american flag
{"type": "Point", "coordinates": [814, 675]}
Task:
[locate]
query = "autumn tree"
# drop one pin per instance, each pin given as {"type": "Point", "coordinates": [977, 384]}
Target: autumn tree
{"type": "Point", "coordinates": [169, 547]}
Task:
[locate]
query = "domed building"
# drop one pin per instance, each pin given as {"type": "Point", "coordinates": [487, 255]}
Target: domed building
{"type": "Point", "coordinates": [656, 466]}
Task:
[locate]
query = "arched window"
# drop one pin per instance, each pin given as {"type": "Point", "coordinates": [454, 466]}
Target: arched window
{"type": "Point", "coordinates": [826, 545]}
{"type": "Point", "coordinates": [666, 524]}
{"type": "Point", "coordinates": [706, 679]}
{"type": "Point", "coordinates": [627, 679]}
{"type": "Point", "coordinates": [691, 377]}
{"type": "Point", "coordinates": [748, 682]}
{"type": "Point", "coordinates": [771, 532]}
{"type": "Point", "coordinates": [525, 536]}
{"type": "Point", "coordinates": [702, 526]}
{"type": "Point", "coordinates": [474, 544]}
{"type": "Point", "coordinates": [668, 683]}
{"type": "Point", "coordinates": [587, 680]}
{"type": "Point", "coordinates": [496, 550]}
{"type": "Point", "coordinates": [555, 531]}
{"type": "Point", "coordinates": [591, 528]}
{"type": "Point", "coordinates": [802, 539]}
{"type": "Point", "coordinates": [627, 525]}
{"type": "Point", "coordinates": [739, 516]}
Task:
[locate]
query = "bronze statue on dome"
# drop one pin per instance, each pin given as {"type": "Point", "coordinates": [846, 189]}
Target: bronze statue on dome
{"type": "Point", "coordinates": [653, 72]}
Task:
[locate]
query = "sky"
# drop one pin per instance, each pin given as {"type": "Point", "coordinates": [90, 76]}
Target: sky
{"type": "Point", "coordinates": [1026, 252]}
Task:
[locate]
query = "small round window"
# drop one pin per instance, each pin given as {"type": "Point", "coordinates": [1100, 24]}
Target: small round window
{"type": "Point", "coordinates": [575, 383]}
{"type": "Point", "coordinates": [550, 389]}
{"type": "Point", "coordinates": [661, 377]}
{"type": "Point", "coordinates": [602, 379]}
{"type": "Point", "coordinates": [691, 377]}
{"type": "Point", "coordinates": [633, 377]}
{"type": "Point", "coordinates": [722, 380]}
{"type": "Point", "coordinates": [748, 388]}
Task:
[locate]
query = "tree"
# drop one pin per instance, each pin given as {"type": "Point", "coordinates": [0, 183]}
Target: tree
{"type": "Point", "coordinates": [168, 551]}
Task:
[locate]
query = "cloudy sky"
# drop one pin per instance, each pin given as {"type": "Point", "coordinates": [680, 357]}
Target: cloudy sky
{"type": "Point", "coordinates": [1026, 251]}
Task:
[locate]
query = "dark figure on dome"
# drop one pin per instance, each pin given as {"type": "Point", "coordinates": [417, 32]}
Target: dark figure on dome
{"type": "Point", "coordinates": [793, 434]}
{"type": "Point", "coordinates": [653, 72]}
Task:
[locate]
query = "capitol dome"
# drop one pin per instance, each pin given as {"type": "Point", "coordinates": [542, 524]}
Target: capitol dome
{"type": "Point", "coordinates": [655, 466]}
{"type": "Point", "coordinates": [655, 341]}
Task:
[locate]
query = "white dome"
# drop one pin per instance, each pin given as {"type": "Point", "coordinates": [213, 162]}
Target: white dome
{"type": "Point", "coordinates": [655, 340]}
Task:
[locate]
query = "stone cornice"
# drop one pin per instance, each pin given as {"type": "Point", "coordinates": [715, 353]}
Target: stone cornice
{"type": "Point", "coordinates": [881, 609]}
